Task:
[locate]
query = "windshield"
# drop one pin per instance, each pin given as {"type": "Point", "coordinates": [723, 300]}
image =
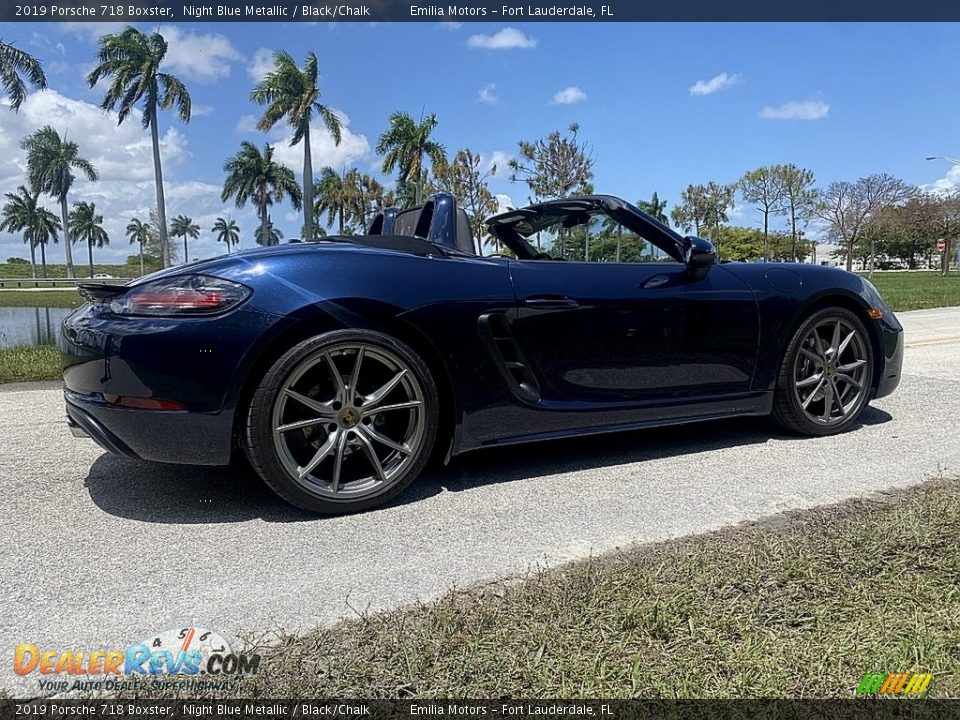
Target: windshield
{"type": "Point", "coordinates": [586, 230]}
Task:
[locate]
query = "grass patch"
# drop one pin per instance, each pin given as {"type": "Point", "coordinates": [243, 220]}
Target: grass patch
{"type": "Point", "coordinates": [801, 606]}
{"type": "Point", "coordinates": [40, 362]}
{"type": "Point", "coordinates": [40, 298]}
{"type": "Point", "coordinates": [918, 290]}
{"type": "Point", "coordinates": [81, 270]}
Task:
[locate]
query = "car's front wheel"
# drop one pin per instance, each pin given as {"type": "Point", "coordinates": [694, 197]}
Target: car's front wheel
{"type": "Point", "coordinates": [826, 376]}
{"type": "Point", "coordinates": [342, 422]}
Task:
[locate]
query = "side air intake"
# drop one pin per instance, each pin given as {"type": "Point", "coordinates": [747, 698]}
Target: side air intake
{"type": "Point", "coordinates": [503, 347]}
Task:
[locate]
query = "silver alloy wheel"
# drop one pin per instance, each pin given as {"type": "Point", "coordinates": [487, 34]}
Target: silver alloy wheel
{"type": "Point", "coordinates": [348, 421]}
{"type": "Point", "coordinates": [830, 371]}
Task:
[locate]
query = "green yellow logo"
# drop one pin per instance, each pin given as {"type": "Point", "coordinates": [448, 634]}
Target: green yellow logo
{"type": "Point", "coordinates": [894, 684]}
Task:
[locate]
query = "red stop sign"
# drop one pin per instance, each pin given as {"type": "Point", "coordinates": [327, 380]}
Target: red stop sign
{"type": "Point", "coordinates": [941, 245]}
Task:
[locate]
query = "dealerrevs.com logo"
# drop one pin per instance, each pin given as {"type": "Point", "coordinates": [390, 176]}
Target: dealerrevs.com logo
{"type": "Point", "coordinates": [177, 653]}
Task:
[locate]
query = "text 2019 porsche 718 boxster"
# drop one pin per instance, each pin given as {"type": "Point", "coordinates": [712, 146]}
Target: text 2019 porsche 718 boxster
{"type": "Point", "coordinates": [338, 366]}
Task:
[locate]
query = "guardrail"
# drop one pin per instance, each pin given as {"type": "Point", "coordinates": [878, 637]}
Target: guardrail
{"type": "Point", "coordinates": [15, 283]}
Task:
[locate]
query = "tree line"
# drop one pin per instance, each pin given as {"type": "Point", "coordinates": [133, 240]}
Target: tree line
{"type": "Point", "coordinates": [876, 219]}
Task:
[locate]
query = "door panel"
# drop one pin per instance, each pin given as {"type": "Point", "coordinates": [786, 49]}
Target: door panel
{"type": "Point", "coordinates": [609, 333]}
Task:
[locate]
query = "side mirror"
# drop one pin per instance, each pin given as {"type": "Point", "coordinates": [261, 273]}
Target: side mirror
{"type": "Point", "coordinates": [698, 255]}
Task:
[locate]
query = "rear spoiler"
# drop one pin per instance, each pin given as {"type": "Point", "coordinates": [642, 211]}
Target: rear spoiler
{"type": "Point", "coordinates": [98, 292]}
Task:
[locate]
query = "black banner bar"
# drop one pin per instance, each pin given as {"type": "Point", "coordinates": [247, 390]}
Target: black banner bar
{"type": "Point", "coordinates": [511, 12]}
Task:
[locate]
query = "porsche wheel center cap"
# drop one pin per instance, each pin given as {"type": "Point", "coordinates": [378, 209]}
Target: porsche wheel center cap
{"type": "Point", "coordinates": [349, 417]}
{"type": "Point", "coordinates": [830, 370]}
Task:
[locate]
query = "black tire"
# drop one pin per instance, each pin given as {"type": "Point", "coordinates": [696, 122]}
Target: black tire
{"type": "Point", "coordinates": [265, 457]}
{"type": "Point", "coordinates": [788, 408]}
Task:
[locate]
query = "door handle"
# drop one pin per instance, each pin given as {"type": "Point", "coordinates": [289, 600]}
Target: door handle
{"type": "Point", "coordinates": [550, 301]}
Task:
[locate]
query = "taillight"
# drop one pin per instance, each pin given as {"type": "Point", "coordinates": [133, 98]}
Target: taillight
{"type": "Point", "coordinates": [181, 295]}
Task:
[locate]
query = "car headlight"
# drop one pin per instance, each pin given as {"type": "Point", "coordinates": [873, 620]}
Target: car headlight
{"type": "Point", "coordinates": [181, 295]}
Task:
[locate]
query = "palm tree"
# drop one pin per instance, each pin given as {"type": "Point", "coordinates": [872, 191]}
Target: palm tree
{"type": "Point", "coordinates": [139, 232]}
{"type": "Point", "coordinates": [335, 196]}
{"type": "Point", "coordinates": [86, 225]}
{"type": "Point", "coordinates": [368, 197]}
{"type": "Point", "coordinates": [404, 146]}
{"type": "Point", "coordinates": [255, 176]}
{"type": "Point", "coordinates": [184, 227]}
{"type": "Point", "coordinates": [655, 208]}
{"type": "Point", "coordinates": [292, 93]}
{"type": "Point", "coordinates": [13, 64]}
{"type": "Point", "coordinates": [51, 161]}
{"type": "Point", "coordinates": [133, 61]}
{"type": "Point", "coordinates": [267, 234]}
{"type": "Point", "coordinates": [227, 232]}
{"type": "Point", "coordinates": [23, 213]}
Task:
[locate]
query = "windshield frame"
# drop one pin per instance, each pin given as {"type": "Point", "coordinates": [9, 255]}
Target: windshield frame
{"type": "Point", "coordinates": [504, 226]}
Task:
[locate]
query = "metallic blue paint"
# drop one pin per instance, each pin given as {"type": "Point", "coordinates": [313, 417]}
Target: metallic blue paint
{"type": "Point", "coordinates": [610, 346]}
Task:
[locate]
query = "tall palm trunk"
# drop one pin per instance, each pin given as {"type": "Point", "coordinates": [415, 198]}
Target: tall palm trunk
{"type": "Point", "coordinates": [186, 254]}
{"type": "Point", "coordinates": [262, 212]}
{"type": "Point", "coordinates": [68, 251]}
{"type": "Point", "coordinates": [158, 181]}
{"type": "Point", "coordinates": [33, 260]}
{"type": "Point", "coordinates": [90, 253]}
{"type": "Point", "coordinates": [308, 230]}
{"type": "Point", "coordinates": [43, 259]}
{"type": "Point", "coordinates": [141, 259]}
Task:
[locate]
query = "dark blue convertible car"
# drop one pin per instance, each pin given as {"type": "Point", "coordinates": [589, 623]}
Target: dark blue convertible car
{"type": "Point", "coordinates": [337, 367]}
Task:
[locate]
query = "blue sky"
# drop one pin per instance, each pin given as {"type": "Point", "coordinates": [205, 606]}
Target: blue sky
{"type": "Point", "coordinates": [661, 105]}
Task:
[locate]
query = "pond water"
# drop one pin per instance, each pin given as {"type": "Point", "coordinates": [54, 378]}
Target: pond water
{"type": "Point", "coordinates": [30, 325]}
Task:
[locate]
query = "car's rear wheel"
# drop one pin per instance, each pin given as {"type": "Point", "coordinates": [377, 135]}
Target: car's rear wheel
{"type": "Point", "coordinates": [342, 422]}
{"type": "Point", "coordinates": [826, 376]}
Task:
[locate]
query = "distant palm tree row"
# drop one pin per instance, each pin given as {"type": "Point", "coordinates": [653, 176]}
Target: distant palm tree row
{"type": "Point", "coordinates": [131, 63]}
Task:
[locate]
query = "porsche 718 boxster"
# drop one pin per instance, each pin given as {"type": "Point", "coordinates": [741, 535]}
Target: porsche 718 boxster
{"type": "Point", "coordinates": [338, 367]}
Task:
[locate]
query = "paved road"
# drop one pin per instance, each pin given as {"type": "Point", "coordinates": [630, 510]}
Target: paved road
{"type": "Point", "coordinates": [99, 551]}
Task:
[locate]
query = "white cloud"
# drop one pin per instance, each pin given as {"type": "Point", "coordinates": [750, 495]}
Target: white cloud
{"type": "Point", "coordinates": [45, 41]}
{"type": "Point", "coordinates": [451, 25]}
{"type": "Point", "coordinates": [123, 156]}
{"type": "Point", "coordinates": [796, 110]}
{"type": "Point", "coordinates": [201, 57]}
{"type": "Point", "coordinates": [568, 96]}
{"type": "Point", "coordinates": [506, 39]}
{"type": "Point", "coordinates": [947, 184]}
{"type": "Point", "coordinates": [504, 202]}
{"type": "Point", "coordinates": [56, 67]}
{"type": "Point", "coordinates": [487, 95]}
{"type": "Point", "coordinates": [201, 110]}
{"type": "Point", "coordinates": [92, 31]}
{"type": "Point", "coordinates": [260, 64]}
{"type": "Point", "coordinates": [500, 159]}
{"type": "Point", "coordinates": [715, 84]}
{"type": "Point", "coordinates": [352, 148]}
{"type": "Point", "coordinates": [116, 150]}
{"type": "Point", "coordinates": [247, 124]}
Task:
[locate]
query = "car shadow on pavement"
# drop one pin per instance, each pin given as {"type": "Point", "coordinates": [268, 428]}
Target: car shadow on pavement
{"type": "Point", "coordinates": [178, 494]}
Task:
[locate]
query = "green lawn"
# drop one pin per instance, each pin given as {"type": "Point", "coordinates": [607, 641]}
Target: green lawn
{"type": "Point", "coordinates": [18, 364]}
{"type": "Point", "coordinates": [918, 290]}
{"type": "Point", "coordinates": [40, 298]}
{"type": "Point", "coordinates": [801, 606]}
{"type": "Point", "coordinates": [81, 270]}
